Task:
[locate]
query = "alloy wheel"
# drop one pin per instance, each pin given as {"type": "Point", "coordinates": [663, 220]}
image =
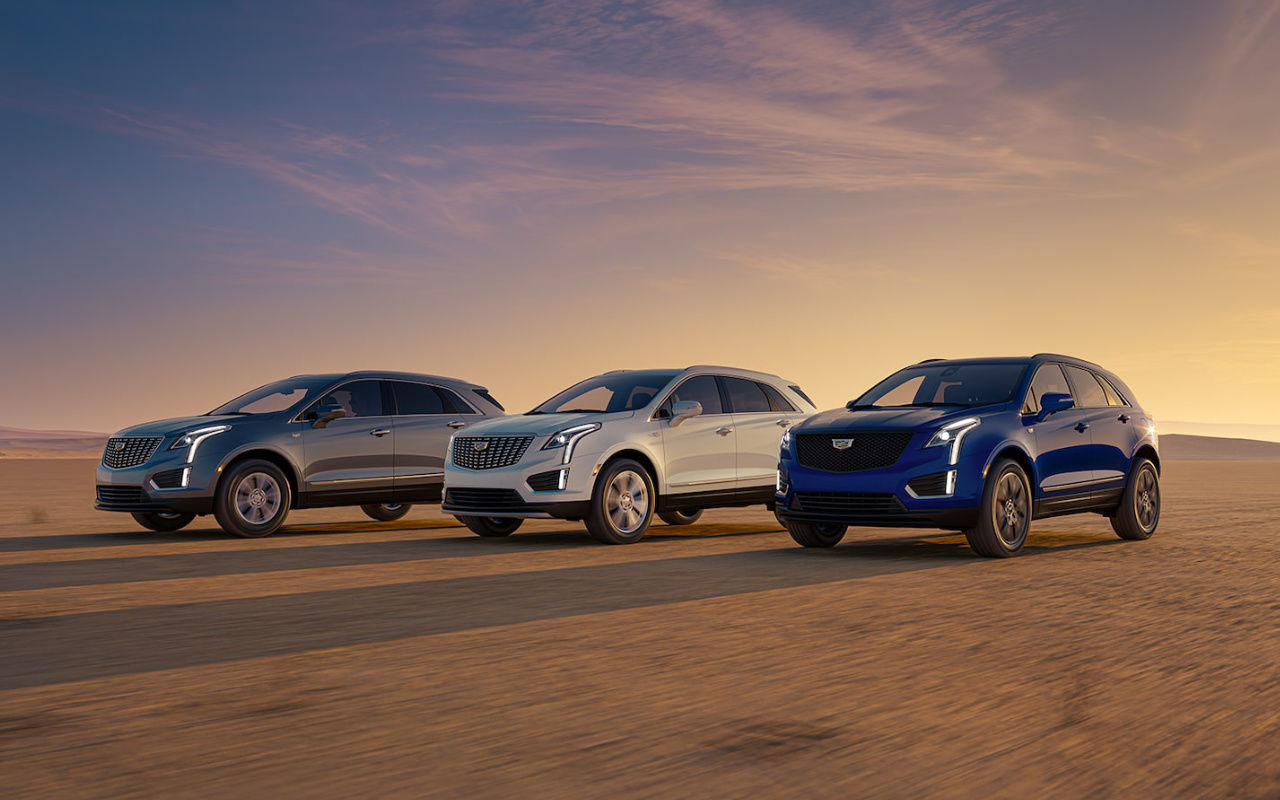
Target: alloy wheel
{"type": "Point", "coordinates": [627, 501]}
{"type": "Point", "coordinates": [1010, 510]}
{"type": "Point", "coordinates": [258, 498]}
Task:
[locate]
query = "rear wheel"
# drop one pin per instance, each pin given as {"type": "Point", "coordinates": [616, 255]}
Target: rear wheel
{"type": "Point", "coordinates": [1005, 517]}
{"type": "Point", "coordinates": [492, 527]}
{"type": "Point", "coordinates": [680, 517]}
{"type": "Point", "coordinates": [252, 499]}
{"type": "Point", "coordinates": [163, 521]}
{"type": "Point", "coordinates": [1139, 511]}
{"type": "Point", "coordinates": [622, 503]}
{"type": "Point", "coordinates": [808, 534]}
{"type": "Point", "coordinates": [386, 512]}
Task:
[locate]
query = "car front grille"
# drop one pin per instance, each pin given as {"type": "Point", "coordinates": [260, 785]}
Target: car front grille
{"type": "Point", "coordinates": [849, 505]}
{"type": "Point", "coordinates": [545, 481]}
{"type": "Point", "coordinates": [933, 485]}
{"type": "Point", "coordinates": [483, 499]}
{"type": "Point", "coordinates": [489, 452]}
{"type": "Point", "coordinates": [119, 495]}
{"type": "Point", "coordinates": [129, 451]}
{"type": "Point", "coordinates": [862, 450]}
{"type": "Point", "coordinates": [169, 479]}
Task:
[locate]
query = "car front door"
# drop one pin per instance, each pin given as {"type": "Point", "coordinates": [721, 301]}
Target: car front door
{"type": "Point", "coordinates": [355, 453]}
{"type": "Point", "coordinates": [426, 416]}
{"type": "Point", "coordinates": [760, 415]}
{"type": "Point", "coordinates": [700, 452]}
{"type": "Point", "coordinates": [1063, 439]}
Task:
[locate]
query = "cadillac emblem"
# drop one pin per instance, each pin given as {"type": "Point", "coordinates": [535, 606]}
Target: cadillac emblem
{"type": "Point", "coordinates": [842, 444]}
{"type": "Point", "coordinates": [480, 445]}
{"type": "Point", "coordinates": [117, 446]}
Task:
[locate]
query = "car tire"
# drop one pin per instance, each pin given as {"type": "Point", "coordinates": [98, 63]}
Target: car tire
{"type": "Point", "coordinates": [162, 521]}
{"type": "Point", "coordinates": [492, 527]}
{"type": "Point", "coordinates": [1005, 516]}
{"type": "Point", "coordinates": [253, 499]}
{"type": "Point", "coordinates": [809, 534]}
{"type": "Point", "coordinates": [622, 503]}
{"type": "Point", "coordinates": [386, 512]}
{"type": "Point", "coordinates": [680, 517]}
{"type": "Point", "coordinates": [1138, 514]}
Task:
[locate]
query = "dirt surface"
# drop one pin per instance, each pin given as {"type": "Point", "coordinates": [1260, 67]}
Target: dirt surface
{"type": "Point", "coordinates": [346, 658]}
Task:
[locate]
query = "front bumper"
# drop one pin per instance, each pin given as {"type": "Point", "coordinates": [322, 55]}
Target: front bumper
{"type": "Point", "coordinates": [883, 497]}
{"type": "Point", "coordinates": [506, 491]}
{"type": "Point", "coordinates": [137, 488]}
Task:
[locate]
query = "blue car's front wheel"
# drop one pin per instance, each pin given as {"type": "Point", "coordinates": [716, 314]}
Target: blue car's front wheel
{"type": "Point", "coordinates": [1006, 512]}
{"type": "Point", "coordinates": [807, 534]}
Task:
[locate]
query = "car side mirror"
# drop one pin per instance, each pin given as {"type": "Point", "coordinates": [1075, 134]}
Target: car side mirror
{"type": "Point", "coordinates": [684, 410]}
{"type": "Point", "coordinates": [1053, 402]}
{"type": "Point", "coordinates": [321, 416]}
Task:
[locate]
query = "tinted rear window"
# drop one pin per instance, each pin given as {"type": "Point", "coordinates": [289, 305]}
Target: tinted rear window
{"type": "Point", "coordinates": [417, 398]}
{"type": "Point", "coordinates": [746, 397]}
{"type": "Point", "coordinates": [1089, 392]}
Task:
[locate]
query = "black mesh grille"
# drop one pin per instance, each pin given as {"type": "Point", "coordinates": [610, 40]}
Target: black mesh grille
{"type": "Point", "coordinates": [169, 479]}
{"type": "Point", "coordinates": [545, 481]}
{"type": "Point", "coordinates": [929, 485]}
{"type": "Point", "coordinates": [483, 499]}
{"type": "Point", "coordinates": [849, 505]}
{"type": "Point", "coordinates": [109, 495]}
{"type": "Point", "coordinates": [864, 450]}
{"type": "Point", "coordinates": [129, 451]}
{"type": "Point", "coordinates": [489, 452]}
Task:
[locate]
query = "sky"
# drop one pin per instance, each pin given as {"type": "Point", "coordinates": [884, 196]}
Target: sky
{"type": "Point", "coordinates": [196, 199]}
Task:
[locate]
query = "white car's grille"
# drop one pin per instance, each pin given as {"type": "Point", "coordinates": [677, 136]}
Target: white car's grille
{"type": "Point", "coordinates": [489, 452]}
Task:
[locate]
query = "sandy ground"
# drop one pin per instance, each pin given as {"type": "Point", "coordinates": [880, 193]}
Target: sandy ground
{"type": "Point", "coordinates": [347, 658]}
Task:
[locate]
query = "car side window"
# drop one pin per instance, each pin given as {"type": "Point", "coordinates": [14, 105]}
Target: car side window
{"type": "Point", "coordinates": [776, 401]}
{"type": "Point", "coordinates": [1088, 391]}
{"type": "Point", "coordinates": [358, 398]}
{"type": "Point", "coordinates": [800, 392]}
{"type": "Point", "coordinates": [453, 404]}
{"type": "Point", "coordinates": [746, 397]}
{"type": "Point", "coordinates": [417, 398]}
{"type": "Point", "coordinates": [701, 388]}
{"type": "Point", "coordinates": [1113, 397]}
{"type": "Point", "coordinates": [1049, 378]}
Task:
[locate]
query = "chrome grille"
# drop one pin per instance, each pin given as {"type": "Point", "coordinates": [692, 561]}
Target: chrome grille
{"type": "Point", "coordinates": [129, 451]}
{"type": "Point", "coordinates": [489, 452]}
{"type": "Point", "coordinates": [863, 450]}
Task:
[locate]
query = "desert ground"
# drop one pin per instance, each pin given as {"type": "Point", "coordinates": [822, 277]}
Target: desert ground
{"type": "Point", "coordinates": [347, 658]}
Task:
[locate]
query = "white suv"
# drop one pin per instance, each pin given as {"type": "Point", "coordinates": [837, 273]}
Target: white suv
{"type": "Point", "coordinates": [616, 449]}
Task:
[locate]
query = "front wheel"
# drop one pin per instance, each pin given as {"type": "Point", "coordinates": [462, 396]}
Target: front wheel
{"type": "Point", "coordinates": [1139, 511]}
{"type": "Point", "coordinates": [252, 500]}
{"type": "Point", "coordinates": [1005, 516]}
{"type": "Point", "coordinates": [807, 534]}
{"type": "Point", "coordinates": [622, 503]}
{"type": "Point", "coordinates": [386, 512]}
{"type": "Point", "coordinates": [680, 517]}
{"type": "Point", "coordinates": [163, 521]}
{"type": "Point", "coordinates": [492, 527]}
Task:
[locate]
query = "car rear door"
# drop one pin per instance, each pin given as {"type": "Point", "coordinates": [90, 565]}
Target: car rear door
{"type": "Point", "coordinates": [700, 452]}
{"type": "Point", "coordinates": [1109, 425]}
{"type": "Point", "coordinates": [760, 415]}
{"type": "Point", "coordinates": [426, 416]}
{"type": "Point", "coordinates": [354, 453]}
{"type": "Point", "coordinates": [1063, 440]}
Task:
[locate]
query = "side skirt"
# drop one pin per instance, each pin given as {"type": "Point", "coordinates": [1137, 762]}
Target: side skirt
{"type": "Point", "coordinates": [724, 498]}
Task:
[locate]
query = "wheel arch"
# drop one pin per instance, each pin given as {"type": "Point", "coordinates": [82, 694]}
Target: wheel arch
{"type": "Point", "coordinates": [275, 457]}
{"type": "Point", "coordinates": [1148, 451]}
{"type": "Point", "coordinates": [1015, 453]}
{"type": "Point", "coordinates": [636, 454]}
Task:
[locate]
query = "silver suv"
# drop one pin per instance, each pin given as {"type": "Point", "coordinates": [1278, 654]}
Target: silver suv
{"type": "Point", "coordinates": [618, 448]}
{"type": "Point", "coordinates": [372, 439]}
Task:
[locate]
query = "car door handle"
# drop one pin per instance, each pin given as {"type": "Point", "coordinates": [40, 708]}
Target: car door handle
{"type": "Point", "coordinates": [1123, 417]}
{"type": "Point", "coordinates": [724, 431]}
{"type": "Point", "coordinates": [1082, 426]}
{"type": "Point", "coordinates": [785, 423]}
{"type": "Point", "coordinates": [457, 423]}
{"type": "Point", "coordinates": [379, 431]}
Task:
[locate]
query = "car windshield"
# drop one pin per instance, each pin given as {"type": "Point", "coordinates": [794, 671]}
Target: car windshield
{"type": "Point", "coordinates": [617, 391]}
{"type": "Point", "coordinates": [945, 385]}
{"type": "Point", "coordinates": [273, 397]}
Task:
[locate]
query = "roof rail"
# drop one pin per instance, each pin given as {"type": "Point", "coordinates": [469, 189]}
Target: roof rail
{"type": "Point", "coordinates": [928, 361]}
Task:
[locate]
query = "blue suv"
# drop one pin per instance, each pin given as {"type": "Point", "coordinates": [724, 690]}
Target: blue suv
{"type": "Point", "coordinates": [978, 445]}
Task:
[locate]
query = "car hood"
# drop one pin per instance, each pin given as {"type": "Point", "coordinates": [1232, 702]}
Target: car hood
{"type": "Point", "coordinates": [177, 425]}
{"type": "Point", "coordinates": [537, 424]}
{"type": "Point", "coordinates": [843, 419]}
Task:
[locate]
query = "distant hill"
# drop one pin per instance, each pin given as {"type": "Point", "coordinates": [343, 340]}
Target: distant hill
{"type": "Point", "coordinates": [22, 443]}
{"type": "Point", "coordinates": [1181, 447]}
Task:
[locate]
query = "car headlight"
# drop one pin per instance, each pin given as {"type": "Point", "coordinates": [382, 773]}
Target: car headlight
{"type": "Point", "coordinates": [951, 434]}
{"type": "Point", "coordinates": [192, 439]}
{"type": "Point", "coordinates": [568, 439]}
{"type": "Point", "coordinates": [786, 440]}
